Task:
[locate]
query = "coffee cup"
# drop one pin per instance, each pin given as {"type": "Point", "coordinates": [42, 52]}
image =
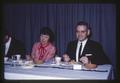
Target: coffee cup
{"type": "Point", "coordinates": [58, 60]}
{"type": "Point", "coordinates": [18, 57]}
{"type": "Point", "coordinates": [5, 59]}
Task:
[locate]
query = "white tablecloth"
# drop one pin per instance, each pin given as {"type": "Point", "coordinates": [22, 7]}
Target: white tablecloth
{"type": "Point", "coordinates": [42, 73]}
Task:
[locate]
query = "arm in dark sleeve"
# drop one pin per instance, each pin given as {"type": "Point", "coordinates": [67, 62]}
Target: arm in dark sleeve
{"type": "Point", "coordinates": [100, 56]}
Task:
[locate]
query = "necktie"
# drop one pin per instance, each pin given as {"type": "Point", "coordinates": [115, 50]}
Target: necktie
{"type": "Point", "coordinates": [80, 51]}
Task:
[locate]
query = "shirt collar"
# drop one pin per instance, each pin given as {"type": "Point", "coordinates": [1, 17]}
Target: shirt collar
{"type": "Point", "coordinates": [8, 42]}
{"type": "Point", "coordinates": [84, 41]}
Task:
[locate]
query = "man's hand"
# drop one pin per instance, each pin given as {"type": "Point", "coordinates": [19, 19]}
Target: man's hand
{"type": "Point", "coordinates": [87, 63]}
{"type": "Point", "coordinates": [84, 60]}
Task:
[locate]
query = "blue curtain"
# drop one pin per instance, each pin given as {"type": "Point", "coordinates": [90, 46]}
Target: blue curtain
{"type": "Point", "coordinates": [25, 21]}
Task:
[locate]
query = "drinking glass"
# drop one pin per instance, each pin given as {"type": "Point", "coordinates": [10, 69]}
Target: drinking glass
{"type": "Point", "coordinates": [14, 59]}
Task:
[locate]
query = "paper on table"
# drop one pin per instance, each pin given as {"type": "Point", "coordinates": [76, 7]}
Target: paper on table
{"type": "Point", "coordinates": [77, 66]}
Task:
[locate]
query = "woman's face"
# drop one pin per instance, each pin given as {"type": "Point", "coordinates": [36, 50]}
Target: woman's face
{"type": "Point", "coordinates": [44, 38]}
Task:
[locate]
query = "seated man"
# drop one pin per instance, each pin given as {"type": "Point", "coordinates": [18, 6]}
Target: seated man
{"type": "Point", "coordinates": [90, 53]}
{"type": "Point", "coordinates": [11, 46]}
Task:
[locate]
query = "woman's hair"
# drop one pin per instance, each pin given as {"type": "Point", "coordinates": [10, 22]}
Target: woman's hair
{"type": "Point", "coordinates": [47, 31]}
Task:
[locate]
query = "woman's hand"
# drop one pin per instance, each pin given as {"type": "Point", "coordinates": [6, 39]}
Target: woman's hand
{"type": "Point", "coordinates": [28, 57]}
{"type": "Point", "coordinates": [36, 61]}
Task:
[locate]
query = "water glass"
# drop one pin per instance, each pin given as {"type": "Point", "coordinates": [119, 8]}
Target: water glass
{"type": "Point", "coordinates": [14, 61]}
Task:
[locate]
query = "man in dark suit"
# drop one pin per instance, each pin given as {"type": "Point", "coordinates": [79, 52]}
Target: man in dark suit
{"type": "Point", "coordinates": [90, 53]}
{"type": "Point", "coordinates": [11, 46]}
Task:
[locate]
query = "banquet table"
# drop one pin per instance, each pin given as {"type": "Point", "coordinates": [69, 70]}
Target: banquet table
{"type": "Point", "coordinates": [53, 72]}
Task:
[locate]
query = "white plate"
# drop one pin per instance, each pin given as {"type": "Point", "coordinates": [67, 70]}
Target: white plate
{"type": "Point", "coordinates": [27, 67]}
{"type": "Point", "coordinates": [54, 64]}
{"type": "Point", "coordinates": [66, 65]}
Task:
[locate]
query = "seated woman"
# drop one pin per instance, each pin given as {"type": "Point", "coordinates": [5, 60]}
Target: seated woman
{"type": "Point", "coordinates": [44, 50]}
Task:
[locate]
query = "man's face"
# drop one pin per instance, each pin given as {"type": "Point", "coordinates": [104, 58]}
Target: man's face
{"type": "Point", "coordinates": [81, 32]}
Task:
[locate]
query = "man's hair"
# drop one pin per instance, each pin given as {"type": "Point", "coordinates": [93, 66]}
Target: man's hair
{"type": "Point", "coordinates": [83, 23]}
{"type": "Point", "coordinates": [8, 33]}
{"type": "Point", "coordinates": [47, 31]}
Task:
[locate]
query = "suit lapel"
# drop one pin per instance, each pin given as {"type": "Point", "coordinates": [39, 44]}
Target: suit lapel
{"type": "Point", "coordinates": [76, 41]}
{"type": "Point", "coordinates": [85, 50]}
{"type": "Point", "coordinates": [73, 51]}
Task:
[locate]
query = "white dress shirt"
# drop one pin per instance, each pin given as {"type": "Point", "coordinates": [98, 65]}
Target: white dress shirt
{"type": "Point", "coordinates": [7, 45]}
{"type": "Point", "coordinates": [78, 47]}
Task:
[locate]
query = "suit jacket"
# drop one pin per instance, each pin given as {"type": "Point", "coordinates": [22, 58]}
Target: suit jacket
{"type": "Point", "coordinates": [16, 47]}
{"type": "Point", "coordinates": [98, 55]}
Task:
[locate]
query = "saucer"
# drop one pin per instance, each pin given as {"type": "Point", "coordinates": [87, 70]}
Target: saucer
{"type": "Point", "coordinates": [30, 66]}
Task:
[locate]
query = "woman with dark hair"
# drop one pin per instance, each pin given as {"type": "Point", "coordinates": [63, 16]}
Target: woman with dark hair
{"type": "Point", "coordinates": [44, 50]}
